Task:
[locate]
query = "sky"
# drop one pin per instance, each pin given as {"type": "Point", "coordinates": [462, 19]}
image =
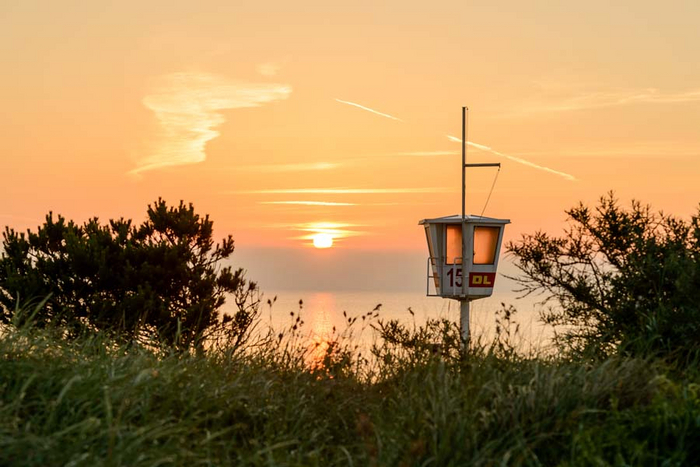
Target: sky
{"type": "Point", "coordinates": [283, 120]}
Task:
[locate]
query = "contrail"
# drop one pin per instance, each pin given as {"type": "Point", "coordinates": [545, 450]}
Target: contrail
{"type": "Point", "coordinates": [514, 159]}
{"type": "Point", "coordinates": [369, 110]}
{"type": "Point", "coordinates": [478, 146]}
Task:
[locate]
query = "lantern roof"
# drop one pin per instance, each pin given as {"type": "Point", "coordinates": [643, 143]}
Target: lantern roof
{"type": "Point", "coordinates": [471, 218]}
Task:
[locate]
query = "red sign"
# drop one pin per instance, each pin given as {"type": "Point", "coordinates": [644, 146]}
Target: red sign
{"type": "Point", "coordinates": [482, 279]}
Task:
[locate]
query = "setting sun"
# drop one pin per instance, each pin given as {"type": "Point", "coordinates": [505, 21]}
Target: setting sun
{"type": "Point", "coordinates": [323, 240]}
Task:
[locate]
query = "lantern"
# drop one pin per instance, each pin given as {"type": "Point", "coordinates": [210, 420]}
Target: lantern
{"type": "Point", "coordinates": [461, 248]}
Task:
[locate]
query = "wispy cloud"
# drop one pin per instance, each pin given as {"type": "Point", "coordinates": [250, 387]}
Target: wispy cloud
{"type": "Point", "coordinates": [337, 230]}
{"type": "Point", "coordinates": [369, 110]}
{"type": "Point", "coordinates": [652, 149]}
{"type": "Point", "coordinates": [301, 167]}
{"type": "Point", "coordinates": [341, 191]}
{"type": "Point", "coordinates": [602, 99]}
{"type": "Point", "coordinates": [333, 204]}
{"type": "Point", "coordinates": [307, 203]}
{"type": "Point", "coordinates": [188, 107]}
{"type": "Point", "coordinates": [514, 159]}
{"type": "Point", "coordinates": [269, 68]}
{"type": "Point", "coordinates": [428, 153]}
{"type": "Point", "coordinates": [308, 230]}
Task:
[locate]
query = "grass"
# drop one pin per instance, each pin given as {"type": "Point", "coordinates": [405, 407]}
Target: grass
{"type": "Point", "coordinates": [418, 401]}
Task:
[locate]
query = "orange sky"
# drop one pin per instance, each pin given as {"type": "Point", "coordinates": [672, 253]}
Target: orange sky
{"type": "Point", "coordinates": [247, 108]}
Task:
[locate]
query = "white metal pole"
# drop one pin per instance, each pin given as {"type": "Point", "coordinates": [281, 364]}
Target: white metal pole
{"type": "Point", "coordinates": [464, 160]}
{"type": "Point", "coordinates": [465, 275]}
{"type": "Point", "coordinates": [464, 321]}
{"type": "Point", "coordinates": [464, 302]}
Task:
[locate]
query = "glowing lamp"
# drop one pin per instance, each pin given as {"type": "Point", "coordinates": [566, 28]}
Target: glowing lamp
{"type": "Point", "coordinates": [461, 248]}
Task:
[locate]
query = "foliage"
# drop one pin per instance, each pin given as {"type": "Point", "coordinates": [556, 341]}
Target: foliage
{"type": "Point", "coordinates": [406, 346]}
{"type": "Point", "coordinates": [159, 281]}
{"type": "Point", "coordinates": [88, 402]}
{"type": "Point", "coordinates": [622, 279]}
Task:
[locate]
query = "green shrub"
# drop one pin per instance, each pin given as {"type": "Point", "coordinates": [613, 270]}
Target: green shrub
{"type": "Point", "coordinates": [90, 402]}
{"type": "Point", "coordinates": [158, 282]}
{"type": "Point", "coordinates": [621, 279]}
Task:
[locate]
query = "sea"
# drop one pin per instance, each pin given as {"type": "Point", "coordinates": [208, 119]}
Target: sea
{"type": "Point", "coordinates": [328, 312]}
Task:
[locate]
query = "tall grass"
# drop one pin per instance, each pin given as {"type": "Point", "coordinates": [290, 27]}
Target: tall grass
{"type": "Point", "coordinates": [417, 401]}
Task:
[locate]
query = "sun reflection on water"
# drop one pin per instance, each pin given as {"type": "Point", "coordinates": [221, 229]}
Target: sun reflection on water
{"type": "Point", "coordinates": [319, 318]}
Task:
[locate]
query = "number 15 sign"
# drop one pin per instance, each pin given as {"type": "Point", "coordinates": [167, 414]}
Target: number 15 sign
{"type": "Point", "coordinates": [476, 279]}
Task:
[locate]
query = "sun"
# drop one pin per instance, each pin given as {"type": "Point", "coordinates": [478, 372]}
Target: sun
{"type": "Point", "coordinates": [323, 240]}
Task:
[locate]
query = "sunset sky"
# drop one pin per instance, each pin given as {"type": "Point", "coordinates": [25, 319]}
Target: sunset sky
{"type": "Point", "coordinates": [285, 119]}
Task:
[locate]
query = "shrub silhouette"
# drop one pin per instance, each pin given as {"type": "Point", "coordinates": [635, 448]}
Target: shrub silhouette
{"type": "Point", "coordinates": [159, 282]}
{"type": "Point", "coordinates": [623, 279]}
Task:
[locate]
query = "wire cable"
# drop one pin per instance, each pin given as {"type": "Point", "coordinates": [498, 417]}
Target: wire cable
{"type": "Point", "coordinates": [493, 185]}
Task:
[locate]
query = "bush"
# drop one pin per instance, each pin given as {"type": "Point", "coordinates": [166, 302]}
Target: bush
{"type": "Point", "coordinates": [89, 402]}
{"type": "Point", "coordinates": [158, 282]}
{"type": "Point", "coordinates": [623, 279]}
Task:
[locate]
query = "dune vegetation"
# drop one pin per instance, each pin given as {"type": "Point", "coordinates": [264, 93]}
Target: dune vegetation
{"type": "Point", "coordinates": [417, 401]}
{"type": "Point", "coordinates": [622, 388]}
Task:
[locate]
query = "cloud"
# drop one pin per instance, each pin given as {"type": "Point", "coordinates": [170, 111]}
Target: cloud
{"type": "Point", "coordinates": [188, 108]}
{"type": "Point", "coordinates": [369, 110]}
{"type": "Point", "coordinates": [651, 149]}
{"type": "Point", "coordinates": [333, 204]}
{"type": "Point", "coordinates": [269, 68]}
{"type": "Point", "coordinates": [341, 191]}
{"type": "Point", "coordinates": [428, 153]}
{"type": "Point", "coordinates": [337, 230]}
{"type": "Point", "coordinates": [603, 99]}
{"type": "Point", "coordinates": [308, 203]}
{"type": "Point", "coordinates": [301, 167]}
{"type": "Point", "coordinates": [514, 159]}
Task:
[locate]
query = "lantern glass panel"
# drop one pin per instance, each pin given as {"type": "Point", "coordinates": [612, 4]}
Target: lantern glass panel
{"type": "Point", "coordinates": [485, 244]}
{"type": "Point", "coordinates": [433, 260]}
{"type": "Point", "coordinates": [453, 244]}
